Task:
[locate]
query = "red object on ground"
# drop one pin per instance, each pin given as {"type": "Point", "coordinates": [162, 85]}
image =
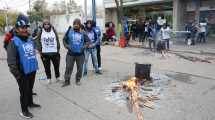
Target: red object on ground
{"type": "Point", "coordinates": [122, 42]}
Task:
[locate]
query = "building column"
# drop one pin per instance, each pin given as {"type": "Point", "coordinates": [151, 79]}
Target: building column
{"type": "Point", "coordinates": [197, 10]}
{"type": "Point", "coordinates": [179, 11]}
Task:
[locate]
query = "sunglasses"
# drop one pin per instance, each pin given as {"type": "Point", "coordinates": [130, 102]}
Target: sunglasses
{"type": "Point", "coordinates": [24, 27]}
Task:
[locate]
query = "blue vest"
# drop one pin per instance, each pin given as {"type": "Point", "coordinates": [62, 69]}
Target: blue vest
{"type": "Point", "coordinates": [27, 55]}
{"type": "Point", "coordinates": [91, 35]}
{"type": "Point", "coordinates": [76, 41]}
{"type": "Point", "coordinates": [98, 33]}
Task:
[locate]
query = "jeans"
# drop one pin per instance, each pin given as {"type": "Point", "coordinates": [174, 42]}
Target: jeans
{"type": "Point", "coordinates": [98, 48]}
{"type": "Point", "coordinates": [202, 37]}
{"type": "Point", "coordinates": [93, 53]}
{"type": "Point", "coordinates": [167, 44]}
{"type": "Point", "coordinates": [152, 44]}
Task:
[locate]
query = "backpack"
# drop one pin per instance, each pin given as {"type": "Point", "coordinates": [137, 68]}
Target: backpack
{"type": "Point", "coordinates": [8, 37]}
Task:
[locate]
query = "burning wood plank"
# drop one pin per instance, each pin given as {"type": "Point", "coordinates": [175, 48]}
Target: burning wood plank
{"type": "Point", "coordinates": [132, 87]}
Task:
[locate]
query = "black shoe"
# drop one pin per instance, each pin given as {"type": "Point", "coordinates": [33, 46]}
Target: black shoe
{"type": "Point", "coordinates": [78, 83]}
{"type": "Point", "coordinates": [26, 115]}
{"type": "Point", "coordinates": [34, 106]}
{"type": "Point", "coordinates": [99, 72]}
{"type": "Point", "coordinates": [65, 84]}
{"type": "Point", "coordinates": [35, 94]}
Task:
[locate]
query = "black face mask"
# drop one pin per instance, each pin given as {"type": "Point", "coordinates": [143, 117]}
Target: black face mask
{"type": "Point", "coordinates": [24, 38]}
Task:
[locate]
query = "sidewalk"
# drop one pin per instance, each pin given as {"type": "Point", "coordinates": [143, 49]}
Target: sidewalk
{"type": "Point", "coordinates": [178, 45]}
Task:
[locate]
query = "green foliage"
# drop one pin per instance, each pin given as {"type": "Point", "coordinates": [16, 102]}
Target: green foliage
{"type": "Point", "coordinates": [2, 21]}
{"type": "Point", "coordinates": [39, 11]}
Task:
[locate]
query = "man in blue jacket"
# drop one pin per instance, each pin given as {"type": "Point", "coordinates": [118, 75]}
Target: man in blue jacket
{"type": "Point", "coordinates": [22, 62]}
{"type": "Point", "coordinates": [75, 41]}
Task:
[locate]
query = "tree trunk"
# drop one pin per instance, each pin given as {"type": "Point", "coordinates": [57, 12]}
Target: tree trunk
{"type": "Point", "coordinates": [120, 15]}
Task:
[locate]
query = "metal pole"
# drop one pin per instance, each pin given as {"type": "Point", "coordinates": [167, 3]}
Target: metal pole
{"type": "Point", "coordinates": [6, 15]}
{"type": "Point", "coordinates": [6, 20]}
{"type": "Point", "coordinates": [85, 9]}
{"type": "Point", "coordinates": [29, 5]}
{"type": "Point", "coordinates": [94, 9]}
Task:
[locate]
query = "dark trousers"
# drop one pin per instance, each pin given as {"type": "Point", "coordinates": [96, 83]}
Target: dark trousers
{"type": "Point", "coordinates": [151, 44]}
{"type": "Point", "coordinates": [55, 59]}
{"type": "Point", "coordinates": [202, 37]}
{"type": "Point", "coordinates": [98, 47]}
{"type": "Point", "coordinates": [26, 84]}
{"type": "Point", "coordinates": [167, 44]}
{"type": "Point", "coordinates": [70, 61]}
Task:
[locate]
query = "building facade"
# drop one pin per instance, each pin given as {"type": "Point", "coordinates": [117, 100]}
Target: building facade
{"type": "Point", "coordinates": [177, 12]}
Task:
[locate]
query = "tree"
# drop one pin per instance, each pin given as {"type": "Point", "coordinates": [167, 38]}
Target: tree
{"type": "Point", "coordinates": [120, 14]}
{"type": "Point", "coordinates": [2, 23]}
{"type": "Point", "coordinates": [12, 15]}
{"type": "Point", "coordinates": [39, 11]}
{"type": "Point", "coordinates": [59, 8]}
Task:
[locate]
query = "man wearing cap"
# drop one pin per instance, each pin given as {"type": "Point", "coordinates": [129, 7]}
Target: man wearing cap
{"type": "Point", "coordinates": [22, 62]}
{"type": "Point", "coordinates": [75, 41]}
{"type": "Point", "coordinates": [48, 46]}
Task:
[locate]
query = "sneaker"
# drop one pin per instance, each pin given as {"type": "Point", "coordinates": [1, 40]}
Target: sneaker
{"type": "Point", "coordinates": [58, 79]}
{"type": "Point", "coordinates": [65, 84]}
{"type": "Point", "coordinates": [100, 68]}
{"type": "Point", "coordinates": [99, 72]}
{"type": "Point", "coordinates": [78, 83]}
{"type": "Point", "coordinates": [26, 115]}
{"type": "Point", "coordinates": [34, 106]}
{"type": "Point", "coordinates": [49, 81]}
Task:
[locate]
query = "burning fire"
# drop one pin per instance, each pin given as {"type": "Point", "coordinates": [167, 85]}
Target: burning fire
{"type": "Point", "coordinates": [130, 84]}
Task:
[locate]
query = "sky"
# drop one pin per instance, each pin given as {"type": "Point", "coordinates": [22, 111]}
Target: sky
{"type": "Point", "coordinates": [23, 6]}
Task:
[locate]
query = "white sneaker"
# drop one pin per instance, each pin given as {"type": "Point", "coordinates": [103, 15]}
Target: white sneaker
{"type": "Point", "coordinates": [49, 81]}
{"type": "Point", "coordinates": [100, 68]}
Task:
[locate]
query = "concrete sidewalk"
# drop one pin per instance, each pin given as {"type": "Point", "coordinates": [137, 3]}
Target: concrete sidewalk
{"type": "Point", "coordinates": [180, 46]}
{"type": "Point", "coordinates": [188, 96]}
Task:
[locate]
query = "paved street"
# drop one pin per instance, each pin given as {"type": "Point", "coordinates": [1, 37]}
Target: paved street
{"type": "Point", "coordinates": [189, 94]}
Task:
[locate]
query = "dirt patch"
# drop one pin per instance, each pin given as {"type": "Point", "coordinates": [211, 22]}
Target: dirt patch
{"type": "Point", "coordinates": [182, 77]}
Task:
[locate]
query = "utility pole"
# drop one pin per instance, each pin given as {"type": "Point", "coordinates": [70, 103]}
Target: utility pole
{"type": "Point", "coordinates": [29, 3]}
{"type": "Point", "coordinates": [94, 9]}
{"type": "Point", "coordinates": [6, 18]}
{"type": "Point", "coordinates": [6, 15]}
{"type": "Point", "coordinates": [85, 9]}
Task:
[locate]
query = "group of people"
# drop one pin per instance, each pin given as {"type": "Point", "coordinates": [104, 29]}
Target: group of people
{"type": "Point", "coordinates": [196, 33]}
{"type": "Point", "coordinates": [81, 41]}
{"type": "Point", "coordinates": [154, 31]}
